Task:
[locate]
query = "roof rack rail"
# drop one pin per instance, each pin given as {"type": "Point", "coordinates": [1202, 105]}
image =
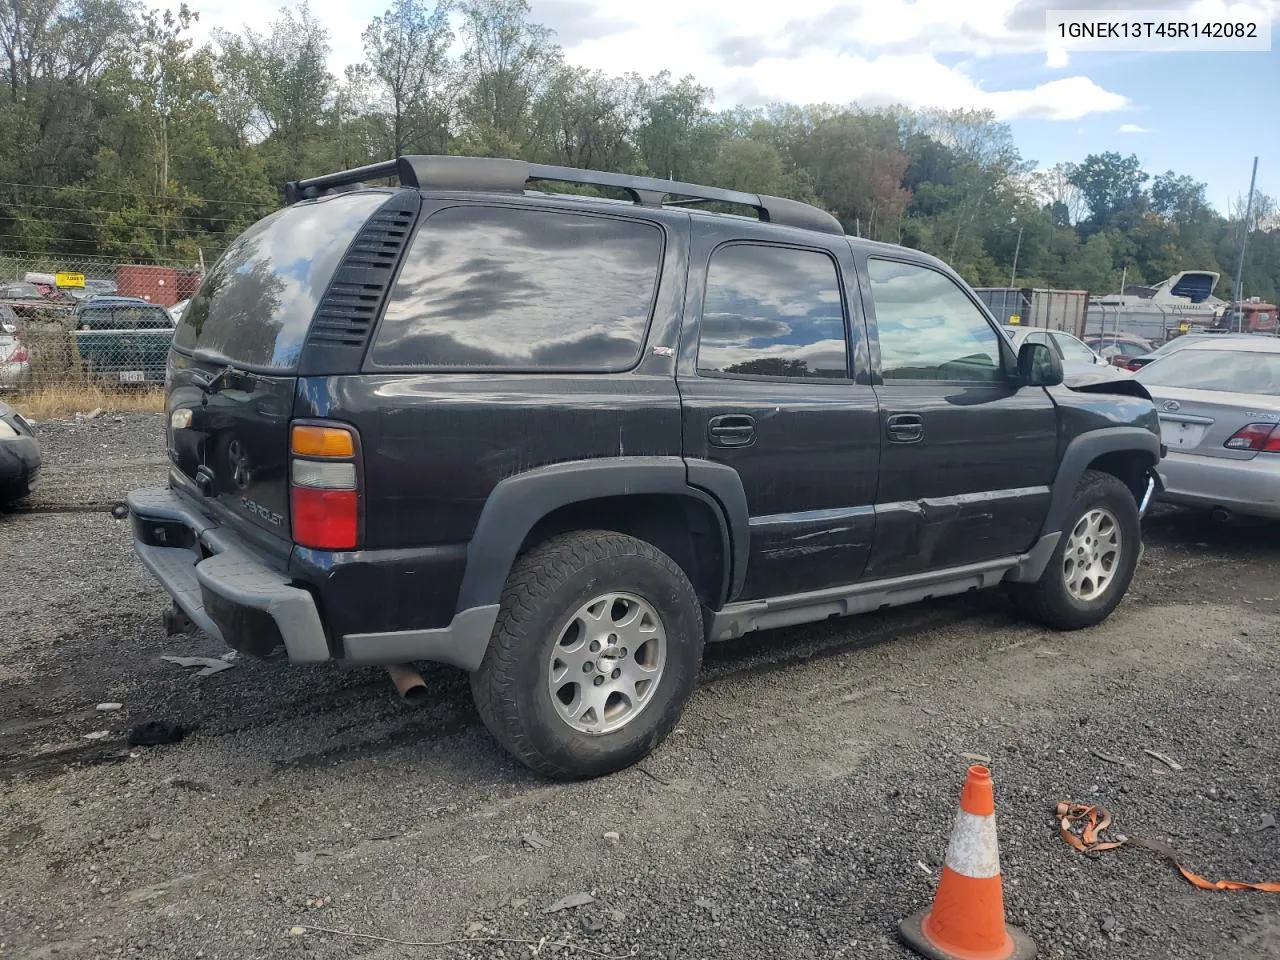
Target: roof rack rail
{"type": "Point", "coordinates": [500, 175]}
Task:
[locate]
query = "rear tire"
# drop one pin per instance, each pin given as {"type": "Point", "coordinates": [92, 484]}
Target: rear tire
{"type": "Point", "coordinates": [1095, 559]}
{"type": "Point", "coordinates": [594, 655]}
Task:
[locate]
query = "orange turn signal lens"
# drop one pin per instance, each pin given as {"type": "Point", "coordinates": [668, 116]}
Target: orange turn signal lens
{"type": "Point", "coordinates": [311, 441]}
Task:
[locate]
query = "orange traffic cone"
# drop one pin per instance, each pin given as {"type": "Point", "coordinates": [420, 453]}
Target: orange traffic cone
{"type": "Point", "coordinates": [966, 921]}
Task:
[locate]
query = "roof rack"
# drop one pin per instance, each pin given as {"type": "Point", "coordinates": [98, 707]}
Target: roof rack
{"type": "Point", "coordinates": [500, 175]}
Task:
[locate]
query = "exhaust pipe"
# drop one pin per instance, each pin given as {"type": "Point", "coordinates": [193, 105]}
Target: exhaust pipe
{"type": "Point", "coordinates": [409, 683]}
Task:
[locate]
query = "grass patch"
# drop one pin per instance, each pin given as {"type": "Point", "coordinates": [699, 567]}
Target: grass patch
{"type": "Point", "coordinates": [55, 401]}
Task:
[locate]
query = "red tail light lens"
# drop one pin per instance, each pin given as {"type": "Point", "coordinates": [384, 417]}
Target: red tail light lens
{"type": "Point", "coordinates": [325, 519]}
{"type": "Point", "coordinates": [324, 487]}
{"type": "Point", "coordinates": [19, 354]}
{"type": "Point", "coordinates": [1258, 437]}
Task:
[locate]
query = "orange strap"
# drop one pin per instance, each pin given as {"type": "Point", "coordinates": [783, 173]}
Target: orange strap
{"type": "Point", "coordinates": [1080, 825]}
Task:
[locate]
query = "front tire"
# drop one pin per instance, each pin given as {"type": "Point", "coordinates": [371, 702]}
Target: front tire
{"type": "Point", "coordinates": [594, 655]}
{"type": "Point", "coordinates": [1095, 559]}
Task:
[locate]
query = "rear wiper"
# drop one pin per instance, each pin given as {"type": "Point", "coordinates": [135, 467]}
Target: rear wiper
{"type": "Point", "coordinates": [211, 384]}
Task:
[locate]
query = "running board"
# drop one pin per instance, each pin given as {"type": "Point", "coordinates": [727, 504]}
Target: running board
{"type": "Point", "coordinates": [737, 619]}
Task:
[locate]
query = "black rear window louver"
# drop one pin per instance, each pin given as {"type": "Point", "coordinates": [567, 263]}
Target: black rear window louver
{"type": "Point", "coordinates": [350, 307]}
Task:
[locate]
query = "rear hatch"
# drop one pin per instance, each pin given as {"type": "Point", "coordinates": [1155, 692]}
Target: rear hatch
{"type": "Point", "coordinates": [233, 367]}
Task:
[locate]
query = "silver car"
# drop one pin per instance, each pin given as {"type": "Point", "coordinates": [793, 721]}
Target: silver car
{"type": "Point", "coordinates": [1219, 406]}
{"type": "Point", "coordinates": [1077, 358]}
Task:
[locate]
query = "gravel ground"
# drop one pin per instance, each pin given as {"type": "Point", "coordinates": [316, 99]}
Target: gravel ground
{"type": "Point", "coordinates": [801, 809]}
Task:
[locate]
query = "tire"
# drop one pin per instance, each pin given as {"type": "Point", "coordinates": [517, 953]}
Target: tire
{"type": "Point", "coordinates": [542, 634]}
{"type": "Point", "coordinates": [1050, 600]}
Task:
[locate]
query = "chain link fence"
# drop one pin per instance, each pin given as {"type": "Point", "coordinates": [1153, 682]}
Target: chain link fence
{"type": "Point", "coordinates": [89, 324]}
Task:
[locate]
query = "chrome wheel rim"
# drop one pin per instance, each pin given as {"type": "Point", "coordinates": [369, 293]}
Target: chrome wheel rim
{"type": "Point", "coordinates": [606, 663]}
{"type": "Point", "coordinates": [1092, 555]}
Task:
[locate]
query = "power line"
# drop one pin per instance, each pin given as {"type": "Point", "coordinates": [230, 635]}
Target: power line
{"type": "Point", "coordinates": [49, 206]}
{"type": "Point", "coordinates": [122, 193]}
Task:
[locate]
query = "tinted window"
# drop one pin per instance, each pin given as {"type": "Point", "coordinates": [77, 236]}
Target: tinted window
{"type": "Point", "coordinates": [492, 287]}
{"type": "Point", "coordinates": [256, 303]}
{"type": "Point", "coordinates": [1228, 371]}
{"type": "Point", "coordinates": [772, 312]}
{"type": "Point", "coordinates": [928, 328]}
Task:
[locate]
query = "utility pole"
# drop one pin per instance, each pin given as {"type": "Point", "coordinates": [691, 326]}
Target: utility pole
{"type": "Point", "coordinates": [1244, 240]}
{"type": "Point", "coordinates": [1016, 250]}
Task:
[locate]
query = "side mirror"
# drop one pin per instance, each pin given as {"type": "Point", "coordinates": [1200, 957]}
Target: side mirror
{"type": "Point", "coordinates": [1039, 366]}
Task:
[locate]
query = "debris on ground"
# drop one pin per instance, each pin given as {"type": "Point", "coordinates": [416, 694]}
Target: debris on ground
{"type": "Point", "coordinates": [1167, 761]}
{"type": "Point", "coordinates": [570, 902]}
{"type": "Point", "coordinates": [1082, 826]}
{"type": "Point", "coordinates": [976, 757]}
{"type": "Point", "coordinates": [535, 841]}
{"type": "Point", "coordinates": [612, 837]}
{"type": "Point", "coordinates": [1268, 822]}
{"type": "Point", "coordinates": [211, 665]}
{"type": "Point", "coordinates": [97, 735]}
{"type": "Point", "coordinates": [108, 707]}
{"type": "Point", "coordinates": [1112, 758]}
{"type": "Point", "coordinates": [155, 733]}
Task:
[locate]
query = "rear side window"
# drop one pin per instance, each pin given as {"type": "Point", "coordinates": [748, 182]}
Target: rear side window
{"type": "Point", "coordinates": [772, 312]}
{"type": "Point", "coordinates": [503, 288]}
{"type": "Point", "coordinates": [256, 303]}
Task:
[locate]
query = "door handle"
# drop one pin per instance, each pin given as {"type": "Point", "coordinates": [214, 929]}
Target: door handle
{"type": "Point", "coordinates": [905, 428]}
{"type": "Point", "coordinates": [732, 430]}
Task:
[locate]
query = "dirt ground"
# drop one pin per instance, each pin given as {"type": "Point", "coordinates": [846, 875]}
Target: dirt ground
{"type": "Point", "coordinates": [800, 811]}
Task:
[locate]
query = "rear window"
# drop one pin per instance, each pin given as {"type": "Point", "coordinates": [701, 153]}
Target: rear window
{"type": "Point", "coordinates": [1227, 371]}
{"type": "Point", "coordinates": [124, 317]}
{"type": "Point", "coordinates": [256, 303]}
{"type": "Point", "coordinates": [524, 289]}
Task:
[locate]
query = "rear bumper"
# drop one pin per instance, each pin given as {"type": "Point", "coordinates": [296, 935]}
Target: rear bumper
{"type": "Point", "coordinates": [235, 594]}
{"type": "Point", "coordinates": [227, 591]}
{"type": "Point", "coordinates": [1248, 487]}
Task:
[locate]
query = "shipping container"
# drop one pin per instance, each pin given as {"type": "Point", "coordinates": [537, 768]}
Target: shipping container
{"type": "Point", "coordinates": [162, 285]}
{"type": "Point", "coordinates": [1036, 307]}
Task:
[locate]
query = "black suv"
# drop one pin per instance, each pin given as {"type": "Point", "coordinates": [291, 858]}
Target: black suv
{"type": "Point", "coordinates": [560, 441]}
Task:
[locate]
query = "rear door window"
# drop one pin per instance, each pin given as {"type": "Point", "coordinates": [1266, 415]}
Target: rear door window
{"type": "Point", "coordinates": [499, 288]}
{"type": "Point", "coordinates": [772, 312]}
{"type": "Point", "coordinates": [256, 303]}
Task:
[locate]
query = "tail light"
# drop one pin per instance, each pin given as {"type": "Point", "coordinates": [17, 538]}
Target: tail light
{"type": "Point", "coordinates": [19, 354]}
{"type": "Point", "coordinates": [1258, 437]}
{"type": "Point", "coordinates": [324, 486]}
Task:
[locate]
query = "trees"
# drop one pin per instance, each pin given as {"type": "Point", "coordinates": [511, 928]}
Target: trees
{"type": "Point", "coordinates": [405, 53]}
{"type": "Point", "coordinates": [125, 138]}
{"type": "Point", "coordinates": [1110, 184]}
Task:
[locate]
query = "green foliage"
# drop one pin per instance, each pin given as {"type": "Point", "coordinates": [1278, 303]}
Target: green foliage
{"type": "Point", "coordinates": [125, 139]}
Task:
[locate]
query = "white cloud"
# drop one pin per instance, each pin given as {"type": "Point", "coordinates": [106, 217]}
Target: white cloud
{"type": "Point", "coordinates": [1133, 128]}
{"type": "Point", "coordinates": [871, 51]}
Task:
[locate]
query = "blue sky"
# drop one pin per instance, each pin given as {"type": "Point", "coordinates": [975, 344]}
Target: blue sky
{"type": "Point", "coordinates": [1203, 114]}
{"type": "Point", "coordinates": [1198, 113]}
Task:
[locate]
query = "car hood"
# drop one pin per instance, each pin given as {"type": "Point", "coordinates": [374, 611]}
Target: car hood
{"type": "Point", "coordinates": [1095, 379]}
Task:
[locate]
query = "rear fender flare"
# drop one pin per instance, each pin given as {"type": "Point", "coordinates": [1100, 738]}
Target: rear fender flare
{"type": "Point", "coordinates": [517, 504]}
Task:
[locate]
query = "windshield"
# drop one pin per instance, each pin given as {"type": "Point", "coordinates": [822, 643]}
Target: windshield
{"type": "Point", "coordinates": [126, 317]}
{"type": "Point", "coordinates": [1224, 371]}
{"type": "Point", "coordinates": [20, 291]}
{"type": "Point", "coordinates": [256, 303]}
